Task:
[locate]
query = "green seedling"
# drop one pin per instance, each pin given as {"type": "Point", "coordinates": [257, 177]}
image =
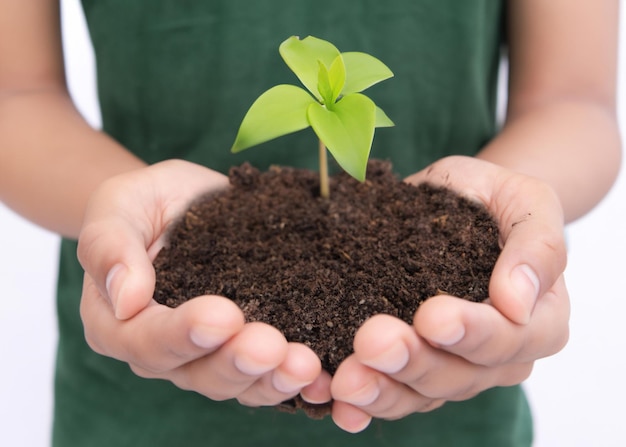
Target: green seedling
{"type": "Point", "coordinates": [343, 119]}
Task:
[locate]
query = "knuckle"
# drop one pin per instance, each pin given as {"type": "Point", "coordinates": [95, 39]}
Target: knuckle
{"type": "Point", "coordinates": [501, 357]}
{"type": "Point", "coordinates": [462, 391]}
{"type": "Point", "coordinates": [429, 405]}
{"type": "Point", "coordinates": [217, 396]}
{"type": "Point", "coordinates": [491, 353]}
{"type": "Point", "coordinates": [561, 334]}
{"type": "Point", "coordinates": [403, 408]}
{"type": "Point", "coordinates": [87, 241]}
{"type": "Point", "coordinates": [516, 374]}
{"type": "Point", "coordinates": [467, 396]}
{"type": "Point", "coordinates": [433, 405]}
{"type": "Point", "coordinates": [248, 402]}
{"type": "Point", "coordinates": [153, 367]}
{"type": "Point", "coordinates": [561, 340]}
{"type": "Point", "coordinates": [93, 344]}
{"type": "Point", "coordinates": [554, 243]}
{"type": "Point", "coordinates": [449, 390]}
{"type": "Point", "coordinates": [143, 372]}
{"type": "Point", "coordinates": [188, 379]}
{"type": "Point", "coordinates": [541, 345]}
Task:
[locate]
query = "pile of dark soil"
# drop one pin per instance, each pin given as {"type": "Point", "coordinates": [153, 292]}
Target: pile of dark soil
{"type": "Point", "coordinates": [318, 268]}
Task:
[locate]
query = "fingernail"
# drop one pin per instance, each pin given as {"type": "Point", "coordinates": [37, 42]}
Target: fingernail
{"type": "Point", "coordinates": [114, 282]}
{"type": "Point", "coordinates": [391, 360]}
{"type": "Point", "coordinates": [526, 283]}
{"type": "Point", "coordinates": [286, 384]}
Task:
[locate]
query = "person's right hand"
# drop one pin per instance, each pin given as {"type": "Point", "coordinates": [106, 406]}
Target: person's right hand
{"type": "Point", "coordinates": [203, 345]}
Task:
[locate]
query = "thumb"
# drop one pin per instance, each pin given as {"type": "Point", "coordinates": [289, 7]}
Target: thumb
{"type": "Point", "coordinates": [116, 258]}
{"type": "Point", "coordinates": [532, 259]}
{"type": "Point", "coordinates": [124, 226]}
{"type": "Point", "coordinates": [114, 242]}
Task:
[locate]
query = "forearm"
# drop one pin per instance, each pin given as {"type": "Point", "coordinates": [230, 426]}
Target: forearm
{"type": "Point", "coordinates": [574, 145]}
{"type": "Point", "coordinates": [51, 159]}
{"type": "Point", "coordinates": [561, 122]}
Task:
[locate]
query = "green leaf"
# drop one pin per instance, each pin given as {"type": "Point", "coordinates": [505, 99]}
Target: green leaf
{"type": "Point", "coordinates": [382, 120]}
{"type": "Point", "coordinates": [347, 131]}
{"type": "Point", "coordinates": [337, 76]}
{"type": "Point", "coordinates": [279, 111]}
{"type": "Point", "coordinates": [302, 57]}
{"type": "Point", "coordinates": [323, 85]}
{"type": "Point", "coordinates": [330, 81]}
{"type": "Point", "coordinates": [363, 71]}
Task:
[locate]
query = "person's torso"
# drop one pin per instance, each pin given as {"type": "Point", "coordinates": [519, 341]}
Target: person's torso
{"type": "Point", "coordinates": [176, 77]}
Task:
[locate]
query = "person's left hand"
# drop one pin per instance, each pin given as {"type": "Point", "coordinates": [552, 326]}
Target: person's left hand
{"type": "Point", "coordinates": [455, 348]}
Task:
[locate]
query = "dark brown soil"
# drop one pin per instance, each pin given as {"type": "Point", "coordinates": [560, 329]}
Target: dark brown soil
{"type": "Point", "coordinates": [318, 268]}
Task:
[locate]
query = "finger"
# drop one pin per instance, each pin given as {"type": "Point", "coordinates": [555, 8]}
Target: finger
{"type": "Point", "coordinates": [350, 418]}
{"type": "Point", "coordinates": [300, 368]}
{"type": "Point", "coordinates": [393, 372]}
{"type": "Point", "coordinates": [227, 373]}
{"type": "Point", "coordinates": [479, 333]}
{"type": "Point", "coordinates": [376, 393]}
{"type": "Point", "coordinates": [392, 347]}
{"type": "Point", "coordinates": [159, 338]}
{"type": "Point", "coordinates": [318, 392]}
{"type": "Point", "coordinates": [115, 254]}
{"type": "Point", "coordinates": [354, 419]}
{"type": "Point", "coordinates": [534, 253]}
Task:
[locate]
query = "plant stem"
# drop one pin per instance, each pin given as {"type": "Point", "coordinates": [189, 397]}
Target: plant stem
{"type": "Point", "coordinates": [324, 188]}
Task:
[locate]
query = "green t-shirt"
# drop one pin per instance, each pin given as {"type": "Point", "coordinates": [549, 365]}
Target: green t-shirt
{"type": "Point", "coordinates": [175, 79]}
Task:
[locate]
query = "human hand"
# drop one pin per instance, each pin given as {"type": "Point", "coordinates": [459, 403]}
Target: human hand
{"type": "Point", "coordinates": [455, 348]}
{"type": "Point", "coordinates": [203, 345]}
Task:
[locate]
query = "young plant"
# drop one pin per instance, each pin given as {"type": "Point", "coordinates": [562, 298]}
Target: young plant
{"type": "Point", "coordinates": [342, 118]}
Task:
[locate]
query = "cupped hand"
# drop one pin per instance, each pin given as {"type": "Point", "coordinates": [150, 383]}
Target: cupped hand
{"type": "Point", "coordinates": [455, 348]}
{"type": "Point", "coordinates": [204, 345]}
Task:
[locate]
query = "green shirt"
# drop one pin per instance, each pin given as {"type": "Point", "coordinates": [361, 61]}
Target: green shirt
{"type": "Point", "coordinates": [175, 79]}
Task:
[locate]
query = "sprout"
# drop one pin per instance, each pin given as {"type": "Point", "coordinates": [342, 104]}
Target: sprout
{"type": "Point", "coordinates": [342, 118]}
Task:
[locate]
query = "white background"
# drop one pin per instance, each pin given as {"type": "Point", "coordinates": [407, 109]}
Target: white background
{"type": "Point", "coordinates": [577, 396]}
